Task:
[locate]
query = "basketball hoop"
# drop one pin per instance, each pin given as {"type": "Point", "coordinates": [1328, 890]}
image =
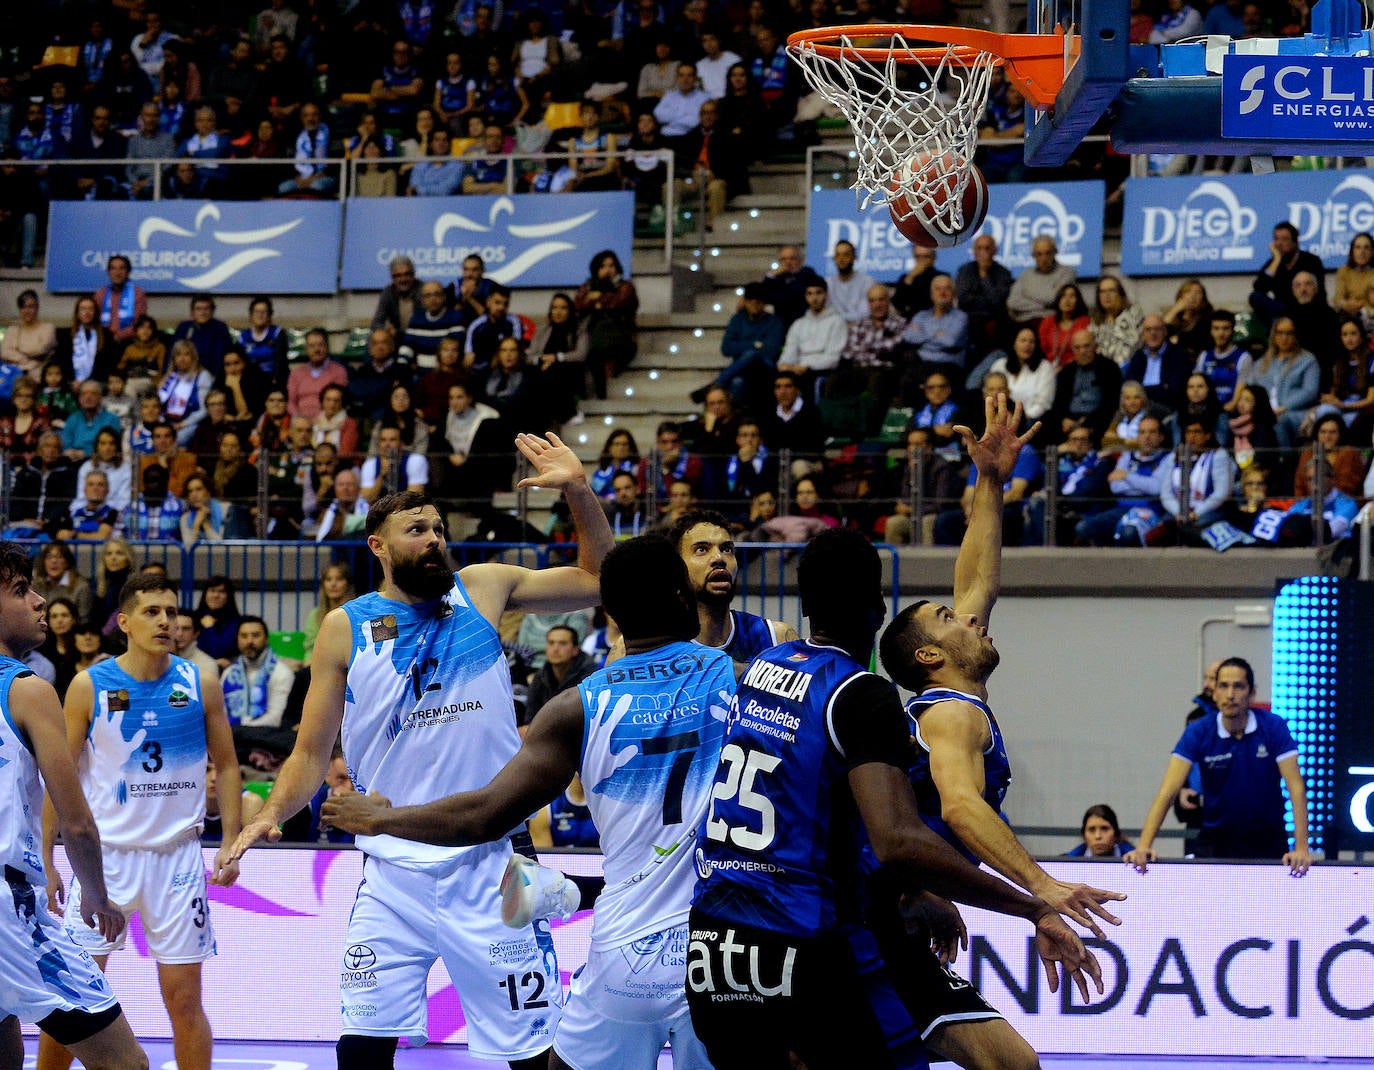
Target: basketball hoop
{"type": "Point", "coordinates": [913, 96]}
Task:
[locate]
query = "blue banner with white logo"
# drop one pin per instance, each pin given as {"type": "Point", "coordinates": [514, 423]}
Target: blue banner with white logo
{"type": "Point", "coordinates": [275, 247]}
{"type": "Point", "coordinates": [1018, 213]}
{"type": "Point", "coordinates": [1206, 225]}
{"type": "Point", "coordinates": [1298, 98]}
{"type": "Point", "coordinates": [528, 239]}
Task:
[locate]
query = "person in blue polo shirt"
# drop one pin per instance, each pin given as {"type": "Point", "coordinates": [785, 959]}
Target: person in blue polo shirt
{"type": "Point", "coordinates": [1242, 754]}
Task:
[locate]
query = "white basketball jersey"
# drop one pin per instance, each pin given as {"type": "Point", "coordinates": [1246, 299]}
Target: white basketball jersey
{"type": "Point", "coordinates": [21, 792]}
{"type": "Point", "coordinates": [143, 766]}
{"type": "Point", "coordinates": [428, 709]}
{"type": "Point", "coordinates": [654, 726]}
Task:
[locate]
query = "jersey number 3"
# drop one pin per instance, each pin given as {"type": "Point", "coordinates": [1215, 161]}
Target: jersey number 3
{"type": "Point", "coordinates": [739, 785]}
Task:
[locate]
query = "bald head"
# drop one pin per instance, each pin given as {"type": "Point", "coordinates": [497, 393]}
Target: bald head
{"type": "Point", "coordinates": [1084, 347]}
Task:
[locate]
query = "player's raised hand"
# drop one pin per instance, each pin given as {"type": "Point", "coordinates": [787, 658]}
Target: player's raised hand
{"type": "Point", "coordinates": [555, 465]}
{"type": "Point", "coordinates": [1059, 948]}
{"type": "Point", "coordinates": [106, 918]}
{"type": "Point", "coordinates": [996, 452]}
{"type": "Point", "coordinates": [1080, 902]}
{"type": "Point", "coordinates": [259, 830]}
{"type": "Point", "coordinates": [355, 813]}
{"type": "Point", "coordinates": [226, 870]}
{"type": "Point", "coordinates": [1140, 858]}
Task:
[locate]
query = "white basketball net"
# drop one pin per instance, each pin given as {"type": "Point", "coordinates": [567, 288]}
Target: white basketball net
{"type": "Point", "coordinates": [915, 145]}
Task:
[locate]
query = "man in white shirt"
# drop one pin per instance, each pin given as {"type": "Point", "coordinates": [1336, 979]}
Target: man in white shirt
{"type": "Point", "coordinates": [848, 288]}
{"type": "Point", "coordinates": [312, 143]}
{"type": "Point", "coordinates": [345, 515]}
{"type": "Point", "coordinates": [816, 340]}
{"type": "Point", "coordinates": [715, 65]}
{"type": "Point", "coordinates": [679, 112]}
{"type": "Point", "coordinates": [412, 469]}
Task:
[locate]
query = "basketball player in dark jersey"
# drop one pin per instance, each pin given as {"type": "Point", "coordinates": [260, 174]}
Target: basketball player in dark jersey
{"type": "Point", "coordinates": [945, 656]}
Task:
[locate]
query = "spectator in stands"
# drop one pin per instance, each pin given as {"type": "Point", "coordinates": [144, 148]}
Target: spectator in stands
{"type": "Point", "coordinates": [55, 398]}
{"type": "Point", "coordinates": [243, 386]}
{"type": "Point", "coordinates": [1271, 294]}
{"type": "Point", "coordinates": [211, 337]}
{"type": "Point", "coordinates": [147, 46]}
{"type": "Point", "coordinates": [236, 77]}
{"type": "Point", "coordinates": [373, 179]}
{"type": "Point", "coordinates": [815, 340]}
{"type": "Point", "coordinates": [1086, 392]}
{"type": "Point", "coordinates": [473, 289]}
{"type": "Point", "coordinates": [218, 617]}
{"type": "Point", "coordinates": [848, 288]}
{"type": "Point", "coordinates": [455, 93]}
{"type": "Point", "coordinates": [874, 357]}
{"type": "Point", "coordinates": [772, 71]}
{"type": "Point", "coordinates": [143, 358]}
{"type": "Point", "coordinates": [1056, 330]}
{"type": "Point", "coordinates": [156, 515]}
{"type": "Point", "coordinates": [1036, 289]}
{"type": "Point", "coordinates": [42, 488]}
{"type": "Point", "coordinates": [1135, 406]}
{"type": "Point", "coordinates": [177, 463]}
{"type": "Point", "coordinates": [1101, 832]}
{"type": "Point", "coordinates": [333, 425]}
{"type": "Point", "coordinates": [1319, 327]}
{"type": "Point", "coordinates": [1339, 510]}
{"type": "Point", "coordinates": [401, 414]}
{"type": "Point", "coordinates": [940, 411]}
{"type": "Point", "coordinates": [558, 364]}
{"type": "Point", "coordinates": [60, 645]}
{"type": "Point", "coordinates": [21, 428]}
{"type": "Point", "coordinates": [392, 468]}
{"type": "Point", "coordinates": [115, 563]}
{"type": "Point", "coordinates": [752, 467]}
{"type": "Point", "coordinates": [432, 322]}
{"type": "Point", "coordinates": [431, 389]}
{"type": "Point", "coordinates": [502, 97]}
{"type": "Point", "coordinates": [234, 482]}
{"type": "Point", "coordinates": [715, 63]}
{"type": "Point", "coordinates": [182, 391]}
{"type": "Point", "coordinates": [1189, 318]}
{"type": "Point", "coordinates": [1250, 431]}
{"type": "Point", "coordinates": [680, 500]}
{"type": "Point", "coordinates": [205, 517]}
{"type": "Point", "coordinates": [398, 90]}
{"type": "Point", "coordinates": [108, 459]}
{"type": "Point", "coordinates": [1159, 365]}
{"type": "Point", "coordinates": [490, 329]}
{"type": "Point", "coordinates": [1211, 478]}
{"type": "Point", "coordinates": [1135, 483]}
{"type": "Point", "coordinates": [608, 304]}
{"type": "Point", "coordinates": [565, 666]}
{"type": "Point", "coordinates": [1081, 473]}
{"type": "Point", "coordinates": [1223, 362]}
{"type": "Point", "coordinates": [1351, 392]}
{"type": "Point", "coordinates": [624, 508]}
{"type": "Point", "coordinates": [671, 462]}
{"type": "Point", "coordinates": [123, 87]}
{"type": "Point", "coordinates": [57, 577]}
{"type": "Point", "coordinates": [1115, 321]}
{"type": "Point", "coordinates": [31, 341]}
{"type": "Point", "coordinates": [96, 141]}
{"type": "Point", "coordinates": [785, 287]}
{"type": "Point", "coordinates": [264, 343]}
{"type": "Point", "coordinates": [794, 424]}
{"type": "Point", "coordinates": [185, 643]}
{"type": "Point", "coordinates": [506, 385]}
{"type": "Point", "coordinates": [150, 142]}
{"type": "Point", "coordinates": [312, 144]}
{"type": "Point", "coordinates": [711, 434]}
{"type": "Point", "coordinates": [1178, 20]}
{"type": "Point", "coordinates": [1346, 463]}
{"type": "Point", "coordinates": [940, 488]}
{"type": "Point", "coordinates": [398, 299]}
{"type": "Point", "coordinates": [90, 418]}
{"type": "Point", "coordinates": [940, 333]}
{"type": "Point", "coordinates": [981, 288]}
{"type": "Point", "coordinates": [87, 344]}
{"type": "Point", "coordinates": [120, 302]}
{"type": "Point", "coordinates": [1004, 119]}
{"type": "Point", "coordinates": [256, 683]}
{"type": "Point", "coordinates": [1030, 375]}
{"type": "Point", "coordinates": [487, 168]}
{"type": "Point", "coordinates": [336, 588]}
{"type": "Point", "coordinates": [269, 430]}
{"type": "Point", "coordinates": [346, 514]}
{"type": "Point", "coordinates": [370, 386]}
{"type": "Point", "coordinates": [306, 381]}
{"type": "Point", "coordinates": [753, 341]}
{"type": "Point", "coordinates": [587, 151]}
{"type": "Point", "coordinates": [206, 146]}
{"type": "Point", "coordinates": [1291, 377]}
{"type": "Point", "coordinates": [742, 111]}
{"type": "Point", "coordinates": [1200, 402]}
{"type": "Point", "coordinates": [619, 454]}
{"type": "Point", "coordinates": [440, 175]}
{"type": "Point", "coordinates": [711, 159]}
{"type": "Point", "coordinates": [656, 76]}
{"type": "Point", "coordinates": [1355, 276]}
{"type": "Point", "coordinates": [679, 109]}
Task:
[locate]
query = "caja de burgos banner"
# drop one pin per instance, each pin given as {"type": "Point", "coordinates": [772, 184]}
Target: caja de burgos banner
{"type": "Point", "coordinates": [525, 240]}
{"type": "Point", "coordinates": [235, 247]}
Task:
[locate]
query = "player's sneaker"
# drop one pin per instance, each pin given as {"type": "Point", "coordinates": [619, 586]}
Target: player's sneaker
{"type": "Point", "coordinates": [530, 891]}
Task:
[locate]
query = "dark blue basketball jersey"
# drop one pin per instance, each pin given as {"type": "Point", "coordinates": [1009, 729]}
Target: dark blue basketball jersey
{"type": "Point", "coordinates": [571, 825]}
{"type": "Point", "coordinates": [782, 829]}
{"type": "Point", "coordinates": [996, 768]}
{"type": "Point", "coordinates": [750, 636]}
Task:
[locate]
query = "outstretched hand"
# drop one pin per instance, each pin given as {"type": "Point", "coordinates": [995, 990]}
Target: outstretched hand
{"type": "Point", "coordinates": [996, 452]}
{"type": "Point", "coordinates": [256, 830]}
{"type": "Point", "coordinates": [555, 465]}
{"type": "Point", "coordinates": [1080, 902]}
{"type": "Point", "coordinates": [1059, 948]}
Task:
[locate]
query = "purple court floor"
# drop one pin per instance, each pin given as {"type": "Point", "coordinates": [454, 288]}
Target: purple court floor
{"type": "Point", "coordinates": [321, 1057]}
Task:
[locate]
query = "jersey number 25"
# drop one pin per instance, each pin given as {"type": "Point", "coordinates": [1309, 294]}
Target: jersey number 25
{"type": "Point", "coordinates": [738, 785]}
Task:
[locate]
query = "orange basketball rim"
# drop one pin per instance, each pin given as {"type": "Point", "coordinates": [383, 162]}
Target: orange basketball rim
{"type": "Point", "coordinates": [1034, 62]}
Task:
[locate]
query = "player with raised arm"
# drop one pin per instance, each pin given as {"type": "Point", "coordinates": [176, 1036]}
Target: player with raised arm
{"type": "Point", "coordinates": [961, 773]}
{"type": "Point", "coordinates": [645, 733]}
{"type": "Point", "coordinates": [816, 744]}
{"type": "Point", "coordinates": [142, 727]}
{"type": "Point", "coordinates": [416, 678]}
{"type": "Point", "coordinates": [47, 977]}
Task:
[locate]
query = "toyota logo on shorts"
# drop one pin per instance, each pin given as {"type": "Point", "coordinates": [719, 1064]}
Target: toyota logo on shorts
{"type": "Point", "coordinates": [360, 957]}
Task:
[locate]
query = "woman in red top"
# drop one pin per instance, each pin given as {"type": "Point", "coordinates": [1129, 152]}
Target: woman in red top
{"type": "Point", "coordinates": [1057, 330]}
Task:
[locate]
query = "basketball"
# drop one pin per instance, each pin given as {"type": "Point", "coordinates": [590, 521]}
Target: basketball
{"type": "Point", "coordinates": [925, 220]}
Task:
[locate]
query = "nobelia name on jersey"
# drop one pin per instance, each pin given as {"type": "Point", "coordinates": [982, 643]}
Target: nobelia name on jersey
{"type": "Point", "coordinates": [776, 680]}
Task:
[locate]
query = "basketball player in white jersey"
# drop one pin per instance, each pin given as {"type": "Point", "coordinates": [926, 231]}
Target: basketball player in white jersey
{"type": "Point", "coordinates": [142, 727]}
{"type": "Point", "coordinates": [44, 976]}
{"type": "Point", "coordinates": [416, 678]}
{"type": "Point", "coordinates": [645, 733]}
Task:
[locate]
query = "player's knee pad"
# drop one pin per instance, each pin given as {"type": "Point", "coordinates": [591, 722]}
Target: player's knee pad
{"type": "Point", "coordinates": [356, 1052]}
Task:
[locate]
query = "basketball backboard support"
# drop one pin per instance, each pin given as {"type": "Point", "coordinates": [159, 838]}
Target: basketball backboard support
{"type": "Point", "coordinates": [1096, 36]}
{"type": "Point", "coordinates": [1262, 97]}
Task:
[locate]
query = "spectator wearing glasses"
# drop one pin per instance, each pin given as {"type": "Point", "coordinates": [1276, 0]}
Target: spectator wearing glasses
{"type": "Point", "coordinates": [397, 91]}
{"type": "Point", "coordinates": [1115, 320]}
{"type": "Point", "coordinates": [1291, 376]}
{"type": "Point", "coordinates": [1162, 367]}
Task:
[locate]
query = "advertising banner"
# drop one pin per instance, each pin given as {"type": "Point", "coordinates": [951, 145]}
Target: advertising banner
{"type": "Point", "coordinates": [1218, 225]}
{"type": "Point", "coordinates": [1212, 960]}
{"type": "Point", "coordinates": [229, 247]}
{"type": "Point", "coordinates": [1298, 98]}
{"type": "Point", "coordinates": [1018, 213]}
{"type": "Point", "coordinates": [528, 239]}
